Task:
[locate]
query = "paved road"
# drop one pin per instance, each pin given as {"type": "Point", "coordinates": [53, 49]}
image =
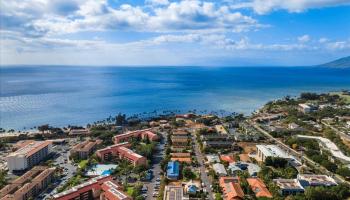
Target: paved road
{"type": "Point", "coordinates": [158, 157]}
{"type": "Point", "coordinates": [204, 175]}
{"type": "Point", "coordinates": [298, 155]}
{"type": "Point", "coordinates": [337, 131]}
{"type": "Point", "coordinates": [62, 161]}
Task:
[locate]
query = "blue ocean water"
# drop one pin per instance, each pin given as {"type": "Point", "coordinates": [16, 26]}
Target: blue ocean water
{"type": "Point", "coordinates": [65, 95]}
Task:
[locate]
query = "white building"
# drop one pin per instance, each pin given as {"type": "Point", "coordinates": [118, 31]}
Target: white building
{"type": "Point", "coordinates": [264, 151]}
{"type": "Point", "coordinates": [316, 180]}
{"type": "Point", "coordinates": [220, 169]}
{"type": "Point", "coordinates": [304, 108]}
{"type": "Point", "coordinates": [329, 146]}
{"type": "Point", "coordinates": [213, 159]}
{"type": "Point", "coordinates": [29, 155]}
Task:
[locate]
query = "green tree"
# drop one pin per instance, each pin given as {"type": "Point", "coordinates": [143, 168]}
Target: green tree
{"type": "Point", "coordinates": [187, 173]}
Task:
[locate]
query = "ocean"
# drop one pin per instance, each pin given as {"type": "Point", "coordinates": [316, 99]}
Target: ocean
{"type": "Point", "coordinates": [67, 95]}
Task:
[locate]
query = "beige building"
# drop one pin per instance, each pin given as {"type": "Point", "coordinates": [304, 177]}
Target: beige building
{"type": "Point", "coordinates": [28, 185]}
{"type": "Point", "coordinates": [85, 149]}
{"type": "Point", "coordinates": [28, 155]}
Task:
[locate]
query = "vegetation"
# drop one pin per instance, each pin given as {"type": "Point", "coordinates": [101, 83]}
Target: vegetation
{"type": "Point", "coordinates": [75, 180]}
{"type": "Point", "coordinates": [3, 180]}
{"type": "Point", "coordinates": [338, 192]}
{"type": "Point", "coordinates": [102, 132]}
{"type": "Point", "coordinates": [188, 174]}
{"type": "Point", "coordinates": [276, 162]}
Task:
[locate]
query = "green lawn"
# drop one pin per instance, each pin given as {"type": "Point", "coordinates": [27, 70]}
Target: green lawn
{"type": "Point", "coordinates": [345, 97]}
{"type": "Point", "coordinates": [130, 190]}
{"type": "Point", "coordinates": [83, 164]}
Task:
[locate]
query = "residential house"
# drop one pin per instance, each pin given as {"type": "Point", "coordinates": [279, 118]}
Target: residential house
{"type": "Point", "coordinates": [259, 188]}
{"type": "Point", "coordinates": [231, 188]}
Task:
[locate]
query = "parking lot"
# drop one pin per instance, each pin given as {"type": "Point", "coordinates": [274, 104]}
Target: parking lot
{"type": "Point", "coordinates": [61, 160]}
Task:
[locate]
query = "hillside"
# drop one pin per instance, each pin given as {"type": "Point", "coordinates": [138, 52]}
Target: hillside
{"type": "Point", "coordinates": [339, 63]}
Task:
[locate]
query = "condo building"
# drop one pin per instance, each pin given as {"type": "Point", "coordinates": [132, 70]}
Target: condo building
{"type": "Point", "coordinates": [85, 149]}
{"type": "Point", "coordinates": [28, 155]}
{"type": "Point", "coordinates": [101, 187]}
{"type": "Point", "coordinates": [143, 134]}
{"type": "Point", "coordinates": [111, 152]}
{"type": "Point", "coordinates": [29, 185]}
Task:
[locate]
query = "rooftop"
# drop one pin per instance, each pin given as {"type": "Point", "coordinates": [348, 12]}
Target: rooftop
{"type": "Point", "coordinates": [173, 168]}
{"type": "Point", "coordinates": [114, 189]}
{"type": "Point", "coordinates": [317, 180]}
{"type": "Point", "coordinates": [259, 188]}
{"type": "Point", "coordinates": [219, 168]}
{"type": "Point", "coordinates": [30, 148]}
{"type": "Point", "coordinates": [288, 184]}
{"type": "Point", "coordinates": [231, 187]}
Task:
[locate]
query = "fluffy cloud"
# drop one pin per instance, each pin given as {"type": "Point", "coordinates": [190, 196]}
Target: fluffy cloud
{"type": "Point", "coordinates": [157, 2]}
{"type": "Point", "coordinates": [304, 38]}
{"type": "Point", "coordinates": [42, 17]}
{"type": "Point", "coordinates": [265, 6]}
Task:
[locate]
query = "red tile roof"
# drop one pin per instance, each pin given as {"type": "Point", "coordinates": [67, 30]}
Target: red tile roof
{"type": "Point", "coordinates": [259, 188]}
{"type": "Point", "coordinates": [231, 188]}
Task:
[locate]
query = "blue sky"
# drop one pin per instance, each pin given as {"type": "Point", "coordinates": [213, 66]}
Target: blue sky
{"type": "Point", "coordinates": [166, 32]}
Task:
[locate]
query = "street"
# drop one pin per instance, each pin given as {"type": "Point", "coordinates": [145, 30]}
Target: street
{"type": "Point", "coordinates": [156, 168]}
{"type": "Point", "coordinates": [204, 175]}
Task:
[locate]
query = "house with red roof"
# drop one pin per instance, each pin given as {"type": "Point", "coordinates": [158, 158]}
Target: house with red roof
{"type": "Point", "coordinates": [231, 188]}
{"type": "Point", "coordinates": [259, 187]}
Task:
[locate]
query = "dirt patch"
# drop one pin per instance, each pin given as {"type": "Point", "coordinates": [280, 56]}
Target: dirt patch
{"type": "Point", "coordinates": [248, 147]}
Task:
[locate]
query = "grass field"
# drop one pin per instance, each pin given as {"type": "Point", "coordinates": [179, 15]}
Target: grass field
{"type": "Point", "coordinates": [344, 96]}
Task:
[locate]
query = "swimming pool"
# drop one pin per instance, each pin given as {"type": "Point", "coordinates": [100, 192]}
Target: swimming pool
{"type": "Point", "coordinates": [101, 169]}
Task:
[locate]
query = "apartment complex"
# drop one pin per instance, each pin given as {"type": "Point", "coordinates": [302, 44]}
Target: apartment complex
{"type": "Point", "coordinates": [143, 134]}
{"type": "Point", "coordinates": [180, 140]}
{"type": "Point", "coordinates": [101, 187]}
{"type": "Point", "coordinates": [181, 157]}
{"type": "Point", "coordinates": [28, 155]}
{"type": "Point", "coordinates": [231, 188]}
{"type": "Point", "coordinates": [217, 140]}
{"type": "Point", "coordinates": [28, 185]}
{"type": "Point", "coordinates": [85, 149]}
{"type": "Point", "coordinates": [131, 156]}
{"type": "Point", "coordinates": [120, 151]}
{"type": "Point", "coordinates": [121, 148]}
{"type": "Point", "coordinates": [111, 152]}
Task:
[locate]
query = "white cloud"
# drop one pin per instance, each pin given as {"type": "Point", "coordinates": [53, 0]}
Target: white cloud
{"type": "Point", "coordinates": [157, 2]}
{"type": "Point", "coordinates": [265, 6]}
{"type": "Point", "coordinates": [304, 38]}
{"type": "Point", "coordinates": [323, 40]}
{"type": "Point", "coordinates": [338, 45]}
{"type": "Point", "coordinates": [45, 17]}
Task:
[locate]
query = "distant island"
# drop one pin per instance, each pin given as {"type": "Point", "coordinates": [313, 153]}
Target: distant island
{"type": "Point", "coordinates": [339, 63]}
